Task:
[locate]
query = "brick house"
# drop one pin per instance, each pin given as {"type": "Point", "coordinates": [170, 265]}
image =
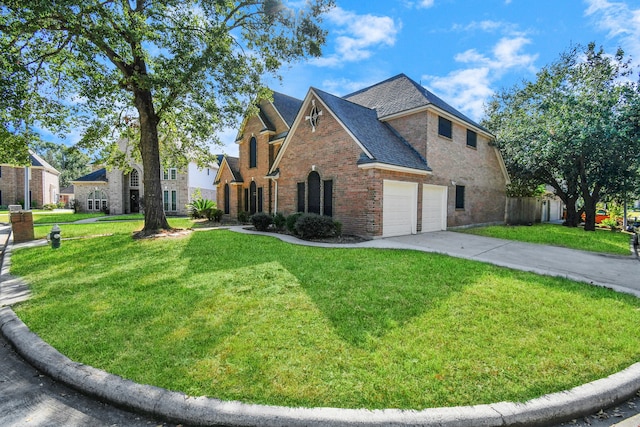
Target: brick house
{"type": "Point", "coordinates": [390, 159]}
{"type": "Point", "coordinates": [122, 192]}
{"type": "Point", "coordinates": [44, 186]}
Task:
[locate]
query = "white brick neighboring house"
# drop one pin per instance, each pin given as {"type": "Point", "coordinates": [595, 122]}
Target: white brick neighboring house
{"type": "Point", "coordinates": [123, 192]}
{"type": "Point", "coordinates": [44, 186]}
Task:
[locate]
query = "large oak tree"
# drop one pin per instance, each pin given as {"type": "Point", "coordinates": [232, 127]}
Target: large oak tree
{"type": "Point", "coordinates": [572, 128]}
{"type": "Point", "coordinates": [164, 74]}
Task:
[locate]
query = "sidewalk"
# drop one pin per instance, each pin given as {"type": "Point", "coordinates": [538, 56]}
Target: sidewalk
{"type": "Point", "coordinates": [546, 410]}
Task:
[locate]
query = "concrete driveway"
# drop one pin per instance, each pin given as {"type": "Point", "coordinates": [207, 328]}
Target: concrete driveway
{"type": "Point", "coordinates": [621, 273]}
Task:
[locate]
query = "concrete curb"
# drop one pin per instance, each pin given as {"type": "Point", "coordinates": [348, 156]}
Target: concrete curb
{"type": "Point", "coordinates": [178, 407]}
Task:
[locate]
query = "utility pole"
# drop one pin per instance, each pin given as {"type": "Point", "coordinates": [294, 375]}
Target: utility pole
{"type": "Point", "coordinates": [27, 203]}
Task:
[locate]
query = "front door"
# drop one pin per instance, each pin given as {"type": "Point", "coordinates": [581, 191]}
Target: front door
{"type": "Point", "coordinates": [134, 200]}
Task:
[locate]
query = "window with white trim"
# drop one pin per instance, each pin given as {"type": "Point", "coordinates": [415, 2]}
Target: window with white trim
{"type": "Point", "coordinates": [170, 174]}
{"type": "Point", "coordinates": [97, 200]}
{"type": "Point", "coordinates": [170, 199]}
{"type": "Point", "coordinates": [134, 179]}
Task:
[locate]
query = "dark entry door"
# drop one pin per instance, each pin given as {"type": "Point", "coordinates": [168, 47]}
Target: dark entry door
{"type": "Point", "coordinates": [134, 200]}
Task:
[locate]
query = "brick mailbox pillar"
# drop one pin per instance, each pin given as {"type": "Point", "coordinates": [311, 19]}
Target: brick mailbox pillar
{"type": "Point", "coordinates": [22, 226]}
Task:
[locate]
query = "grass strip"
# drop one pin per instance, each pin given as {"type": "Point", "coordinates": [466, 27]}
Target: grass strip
{"type": "Point", "coordinates": [603, 241]}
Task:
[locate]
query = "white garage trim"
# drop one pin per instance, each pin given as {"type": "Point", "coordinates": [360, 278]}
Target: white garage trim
{"type": "Point", "coordinates": [434, 208]}
{"type": "Point", "coordinates": [399, 208]}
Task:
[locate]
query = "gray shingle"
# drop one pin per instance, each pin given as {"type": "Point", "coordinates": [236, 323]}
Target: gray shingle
{"type": "Point", "coordinates": [399, 94]}
{"type": "Point", "coordinates": [379, 139]}
{"type": "Point", "coordinates": [287, 106]}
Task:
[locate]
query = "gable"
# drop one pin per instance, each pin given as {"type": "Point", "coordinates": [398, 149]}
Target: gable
{"type": "Point", "coordinates": [378, 141]}
{"type": "Point", "coordinates": [228, 167]}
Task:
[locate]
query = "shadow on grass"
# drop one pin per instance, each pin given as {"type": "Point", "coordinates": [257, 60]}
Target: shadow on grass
{"type": "Point", "coordinates": [363, 293]}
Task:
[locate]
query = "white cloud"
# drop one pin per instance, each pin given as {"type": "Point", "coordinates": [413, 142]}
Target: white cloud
{"type": "Point", "coordinates": [358, 36]}
{"type": "Point", "coordinates": [620, 21]}
{"type": "Point", "coordinates": [425, 3]}
{"type": "Point", "coordinates": [343, 86]}
{"type": "Point", "coordinates": [468, 89]}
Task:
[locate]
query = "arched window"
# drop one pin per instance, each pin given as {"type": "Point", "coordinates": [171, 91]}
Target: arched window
{"type": "Point", "coordinates": [134, 179]}
{"type": "Point", "coordinates": [313, 193]}
{"type": "Point", "coordinates": [253, 152]}
{"type": "Point", "coordinates": [227, 202]}
{"type": "Point", "coordinates": [97, 200]}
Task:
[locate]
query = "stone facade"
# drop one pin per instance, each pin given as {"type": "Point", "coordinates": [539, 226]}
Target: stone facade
{"type": "Point", "coordinates": [124, 191]}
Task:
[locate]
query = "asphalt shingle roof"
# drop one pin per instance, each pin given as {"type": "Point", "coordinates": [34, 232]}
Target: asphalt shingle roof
{"type": "Point", "coordinates": [287, 106]}
{"type": "Point", "coordinates": [97, 175]}
{"type": "Point", "coordinates": [234, 165]}
{"type": "Point", "coordinates": [378, 138]}
{"type": "Point", "coordinates": [399, 94]}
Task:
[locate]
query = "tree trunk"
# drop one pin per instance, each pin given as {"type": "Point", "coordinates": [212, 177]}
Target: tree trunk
{"type": "Point", "coordinates": [154, 217]}
{"type": "Point", "coordinates": [573, 215]}
{"type": "Point", "coordinates": [590, 212]}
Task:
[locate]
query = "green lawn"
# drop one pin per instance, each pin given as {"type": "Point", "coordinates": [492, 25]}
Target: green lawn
{"type": "Point", "coordinates": [53, 217]}
{"type": "Point", "coordinates": [104, 227]}
{"type": "Point", "coordinates": [122, 217]}
{"type": "Point", "coordinates": [603, 241]}
{"type": "Point", "coordinates": [258, 320]}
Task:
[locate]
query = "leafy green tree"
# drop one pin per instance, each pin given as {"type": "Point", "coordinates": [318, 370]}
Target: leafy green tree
{"type": "Point", "coordinates": [164, 75]}
{"type": "Point", "coordinates": [562, 129]}
{"type": "Point", "coordinates": [69, 161]}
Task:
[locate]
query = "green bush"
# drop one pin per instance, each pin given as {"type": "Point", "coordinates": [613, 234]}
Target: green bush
{"type": "Point", "coordinates": [261, 221]}
{"type": "Point", "coordinates": [291, 221]}
{"type": "Point", "coordinates": [280, 221]}
{"type": "Point", "coordinates": [215, 215]}
{"type": "Point", "coordinates": [243, 217]}
{"type": "Point", "coordinates": [200, 208]}
{"type": "Point", "coordinates": [313, 226]}
{"type": "Point", "coordinates": [611, 223]}
{"type": "Point", "coordinates": [49, 206]}
{"type": "Point", "coordinates": [338, 227]}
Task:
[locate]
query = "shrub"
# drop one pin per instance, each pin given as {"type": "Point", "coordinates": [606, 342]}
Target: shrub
{"type": "Point", "coordinates": [215, 215]}
{"type": "Point", "coordinates": [611, 223]}
{"type": "Point", "coordinates": [261, 221]}
{"type": "Point", "coordinates": [49, 206]}
{"type": "Point", "coordinates": [60, 205]}
{"type": "Point", "coordinates": [199, 208]}
{"type": "Point", "coordinates": [243, 217]}
{"type": "Point", "coordinates": [291, 221]}
{"type": "Point", "coordinates": [338, 228]}
{"type": "Point", "coordinates": [313, 226]}
{"type": "Point", "coordinates": [280, 221]}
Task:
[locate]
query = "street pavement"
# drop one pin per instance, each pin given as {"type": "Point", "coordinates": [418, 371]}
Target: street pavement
{"type": "Point", "coordinates": [27, 397]}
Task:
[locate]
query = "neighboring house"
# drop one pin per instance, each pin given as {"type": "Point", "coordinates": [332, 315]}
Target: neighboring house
{"type": "Point", "coordinates": [67, 194]}
{"type": "Point", "coordinates": [552, 206]}
{"type": "Point", "coordinates": [391, 159]}
{"type": "Point", "coordinates": [43, 178]}
{"type": "Point", "coordinates": [119, 192]}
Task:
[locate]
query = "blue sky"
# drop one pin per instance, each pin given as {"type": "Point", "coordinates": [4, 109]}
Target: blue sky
{"type": "Point", "coordinates": [462, 50]}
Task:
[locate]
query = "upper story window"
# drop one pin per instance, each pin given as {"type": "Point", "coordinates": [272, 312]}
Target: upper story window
{"type": "Point", "coordinates": [134, 179]}
{"type": "Point", "coordinates": [170, 174]}
{"type": "Point", "coordinates": [253, 152]}
{"type": "Point", "coordinates": [444, 127]}
{"type": "Point", "coordinates": [472, 139]}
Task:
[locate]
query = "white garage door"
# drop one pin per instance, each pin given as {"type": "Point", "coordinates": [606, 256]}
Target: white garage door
{"type": "Point", "coordinates": [434, 208]}
{"type": "Point", "coordinates": [399, 204]}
